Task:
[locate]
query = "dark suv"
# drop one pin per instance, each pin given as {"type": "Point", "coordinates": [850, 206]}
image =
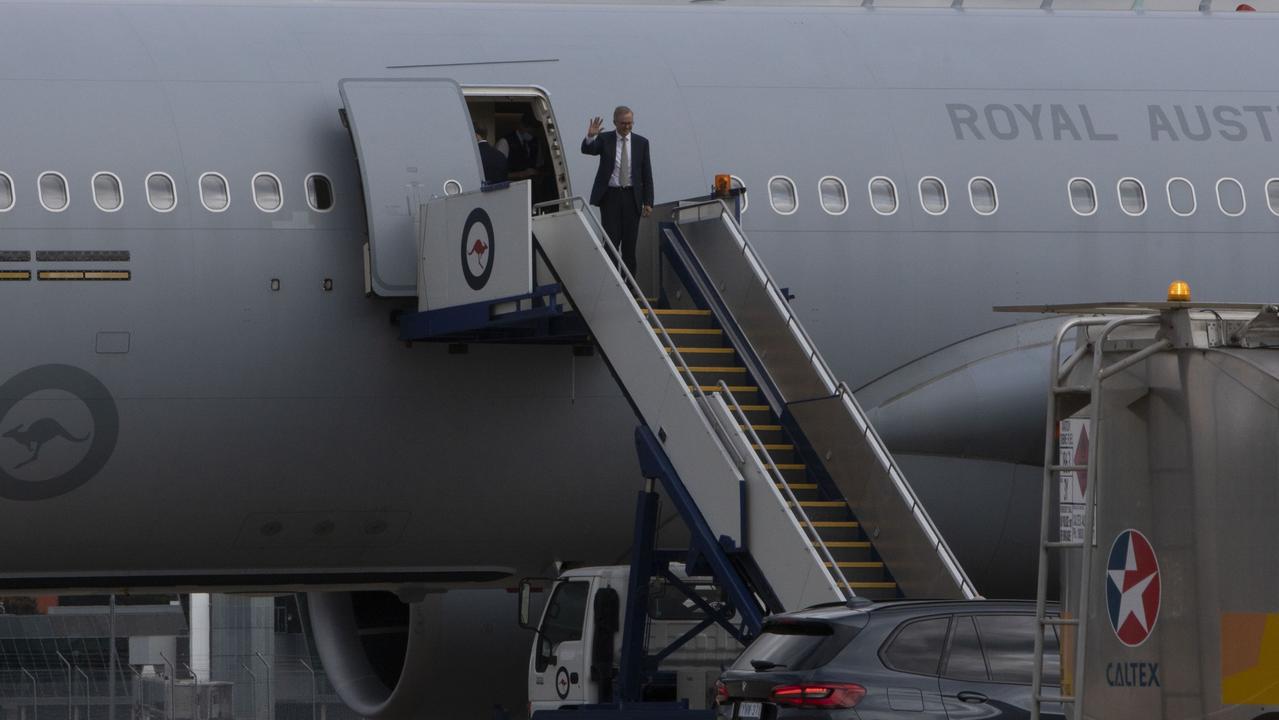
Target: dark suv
{"type": "Point", "coordinates": [929, 660]}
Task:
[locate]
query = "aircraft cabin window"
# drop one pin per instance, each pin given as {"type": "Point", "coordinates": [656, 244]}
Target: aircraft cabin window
{"type": "Point", "coordinates": [782, 195]}
{"type": "Point", "coordinates": [982, 195]}
{"type": "Point", "coordinates": [1132, 196]}
{"type": "Point", "coordinates": [834, 195]}
{"type": "Point", "coordinates": [1272, 195]}
{"type": "Point", "coordinates": [267, 194]}
{"type": "Point", "coordinates": [1083, 196]}
{"type": "Point", "coordinates": [883, 195]}
{"type": "Point", "coordinates": [1230, 197]}
{"type": "Point", "coordinates": [53, 192]}
{"type": "Point", "coordinates": [739, 184]}
{"type": "Point", "coordinates": [215, 194]}
{"type": "Point", "coordinates": [1181, 197]}
{"type": "Point", "coordinates": [452, 187]}
{"type": "Point", "coordinates": [107, 193]}
{"type": "Point", "coordinates": [161, 193]}
{"type": "Point", "coordinates": [319, 193]}
{"type": "Point", "coordinates": [932, 195]}
{"type": "Point", "coordinates": [6, 192]}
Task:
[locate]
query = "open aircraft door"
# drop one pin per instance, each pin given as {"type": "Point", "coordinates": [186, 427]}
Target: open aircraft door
{"type": "Point", "coordinates": [414, 141]}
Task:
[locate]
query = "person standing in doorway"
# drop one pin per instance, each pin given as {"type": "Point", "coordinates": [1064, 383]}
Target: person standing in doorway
{"type": "Point", "coordinates": [623, 189]}
{"type": "Point", "coordinates": [493, 161]}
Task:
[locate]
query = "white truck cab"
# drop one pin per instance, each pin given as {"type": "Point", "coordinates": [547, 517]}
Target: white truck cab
{"type": "Point", "coordinates": [578, 642]}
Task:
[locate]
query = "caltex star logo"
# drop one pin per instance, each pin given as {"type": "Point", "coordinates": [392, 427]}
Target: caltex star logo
{"type": "Point", "coordinates": [1132, 587]}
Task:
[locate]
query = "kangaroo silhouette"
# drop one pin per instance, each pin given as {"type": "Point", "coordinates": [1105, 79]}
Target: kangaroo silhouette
{"type": "Point", "coordinates": [36, 435]}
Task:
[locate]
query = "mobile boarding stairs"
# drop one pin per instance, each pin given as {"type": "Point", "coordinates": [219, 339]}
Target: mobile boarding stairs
{"type": "Point", "coordinates": [791, 497]}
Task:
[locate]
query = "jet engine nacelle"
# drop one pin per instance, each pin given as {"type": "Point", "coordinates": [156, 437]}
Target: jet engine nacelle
{"type": "Point", "coordinates": [375, 650]}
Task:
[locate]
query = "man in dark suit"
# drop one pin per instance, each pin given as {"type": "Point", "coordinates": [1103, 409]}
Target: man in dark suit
{"type": "Point", "coordinates": [623, 188]}
{"type": "Point", "coordinates": [494, 162]}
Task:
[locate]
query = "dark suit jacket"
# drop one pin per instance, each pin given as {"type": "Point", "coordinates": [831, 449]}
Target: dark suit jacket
{"type": "Point", "coordinates": [494, 163]}
{"type": "Point", "coordinates": [605, 145]}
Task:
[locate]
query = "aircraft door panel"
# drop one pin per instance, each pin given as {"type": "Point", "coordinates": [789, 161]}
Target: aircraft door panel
{"type": "Point", "coordinates": [412, 139]}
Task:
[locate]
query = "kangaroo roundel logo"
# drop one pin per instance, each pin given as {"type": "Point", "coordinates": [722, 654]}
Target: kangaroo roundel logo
{"type": "Point", "coordinates": [477, 249]}
{"type": "Point", "coordinates": [1132, 587]}
{"type": "Point", "coordinates": [561, 682]}
{"type": "Point", "coordinates": [58, 428]}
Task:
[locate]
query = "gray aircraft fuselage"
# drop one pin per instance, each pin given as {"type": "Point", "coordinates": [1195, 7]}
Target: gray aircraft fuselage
{"type": "Point", "coordinates": [286, 436]}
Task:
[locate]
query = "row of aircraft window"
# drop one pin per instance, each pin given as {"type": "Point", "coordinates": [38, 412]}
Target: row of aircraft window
{"type": "Point", "coordinates": [161, 192]}
{"type": "Point", "coordinates": [984, 199]}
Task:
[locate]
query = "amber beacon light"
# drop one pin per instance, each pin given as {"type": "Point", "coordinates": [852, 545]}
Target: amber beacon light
{"type": "Point", "coordinates": [1179, 291]}
{"type": "Point", "coordinates": [723, 185]}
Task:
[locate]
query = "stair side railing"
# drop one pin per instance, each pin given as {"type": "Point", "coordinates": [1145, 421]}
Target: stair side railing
{"type": "Point", "coordinates": [678, 364]}
{"type": "Point", "coordinates": [711, 210]}
{"type": "Point", "coordinates": [837, 573]}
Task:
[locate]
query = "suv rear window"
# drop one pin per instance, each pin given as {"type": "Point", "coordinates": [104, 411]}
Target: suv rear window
{"type": "Point", "coordinates": [794, 647]}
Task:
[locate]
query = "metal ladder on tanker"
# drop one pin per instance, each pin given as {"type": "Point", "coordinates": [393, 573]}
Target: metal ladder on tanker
{"type": "Point", "coordinates": [713, 440]}
{"type": "Point", "coordinates": [1078, 396]}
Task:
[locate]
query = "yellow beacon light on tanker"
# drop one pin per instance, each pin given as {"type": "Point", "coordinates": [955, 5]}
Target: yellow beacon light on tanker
{"type": "Point", "coordinates": [1179, 291]}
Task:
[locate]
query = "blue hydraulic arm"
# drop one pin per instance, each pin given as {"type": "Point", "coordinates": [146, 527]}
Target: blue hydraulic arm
{"type": "Point", "coordinates": [655, 464]}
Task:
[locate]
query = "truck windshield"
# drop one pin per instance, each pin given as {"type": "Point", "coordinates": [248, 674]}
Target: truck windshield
{"type": "Point", "coordinates": [563, 619]}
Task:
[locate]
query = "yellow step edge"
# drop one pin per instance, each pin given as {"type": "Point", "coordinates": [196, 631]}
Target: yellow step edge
{"type": "Point", "coordinates": [861, 544]}
{"type": "Point", "coordinates": [762, 428]}
{"type": "Point", "coordinates": [755, 408]}
{"type": "Point", "coordinates": [821, 503]}
{"type": "Point", "coordinates": [872, 585]}
{"type": "Point", "coordinates": [707, 350]}
{"type": "Point", "coordinates": [676, 311]}
{"type": "Point", "coordinates": [731, 388]}
{"type": "Point", "coordinates": [715, 369]}
{"type": "Point", "coordinates": [869, 564]}
{"type": "Point", "coordinates": [693, 331]}
{"type": "Point", "coordinates": [791, 466]}
{"type": "Point", "coordinates": [832, 524]}
{"type": "Point", "coordinates": [798, 486]}
{"type": "Point", "coordinates": [774, 446]}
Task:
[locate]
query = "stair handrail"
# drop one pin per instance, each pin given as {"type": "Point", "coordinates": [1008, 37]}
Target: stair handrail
{"type": "Point", "coordinates": [761, 271]}
{"type": "Point", "coordinates": [612, 251]}
{"type": "Point", "coordinates": [841, 389]}
{"type": "Point", "coordinates": [845, 588]}
{"type": "Point", "coordinates": [917, 509]}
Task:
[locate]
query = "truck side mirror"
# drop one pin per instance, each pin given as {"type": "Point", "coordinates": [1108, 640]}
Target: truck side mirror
{"type": "Point", "coordinates": [527, 587]}
{"type": "Point", "coordinates": [526, 599]}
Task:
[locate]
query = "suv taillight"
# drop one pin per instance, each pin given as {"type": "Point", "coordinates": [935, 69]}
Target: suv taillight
{"type": "Point", "coordinates": [721, 693]}
{"type": "Point", "coordinates": [819, 695]}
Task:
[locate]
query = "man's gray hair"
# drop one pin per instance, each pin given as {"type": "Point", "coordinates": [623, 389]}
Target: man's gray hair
{"type": "Point", "coordinates": [619, 111]}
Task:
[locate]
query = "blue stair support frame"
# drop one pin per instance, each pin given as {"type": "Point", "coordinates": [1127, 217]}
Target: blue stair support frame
{"type": "Point", "coordinates": [537, 316]}
{"type": "Point", "coordinates": [720, 557]}
{"type": "Point", "coordinates": [707, 555]}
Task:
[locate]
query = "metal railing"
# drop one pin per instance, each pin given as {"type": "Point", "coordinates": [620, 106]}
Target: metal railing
{"type": "Point", "coordinates": [780, 302]}
{"type": "Point", "coordinates": [675, 359]}
{"type": "Point", "coordinates": [907, 493]}
{"type": "Point", "coordinates": [837, 573]}
{"type": "Point", "coordinates": [836, 388]}
{"type": "Point", "coordinates": [693, 389]}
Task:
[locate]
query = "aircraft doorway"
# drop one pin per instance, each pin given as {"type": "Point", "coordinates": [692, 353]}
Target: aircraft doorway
{"type": "Point", "coordinates": [519, 123]}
